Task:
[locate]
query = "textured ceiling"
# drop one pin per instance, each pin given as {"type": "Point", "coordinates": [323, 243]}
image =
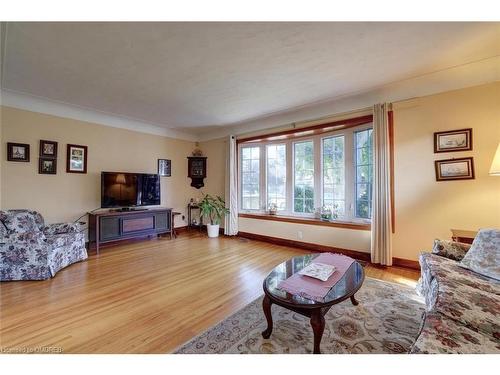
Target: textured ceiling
{"type": "Point", "coordinates": [196, 75]}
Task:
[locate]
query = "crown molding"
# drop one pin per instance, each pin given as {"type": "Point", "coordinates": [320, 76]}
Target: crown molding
{"type": "Point", "coordinates": [9, 98]}
{"type": "Point", "coordinates": [454, 78]}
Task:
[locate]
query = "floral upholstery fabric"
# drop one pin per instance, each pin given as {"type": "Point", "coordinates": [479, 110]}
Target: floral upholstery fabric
{"type": "Point", "coordinates": [462, 308]}
{"type": "Point", "coordinates": [60, 228]}
{"type": "Point", "coordinates": [450, 249]}
{"type": "Point", "coordinates": [440, 334]}
{"type": "Point", "coordinates": [33, 255]}
{"type": "Point", "coordinates": [476, 309]}
{"type": "Point", "coordinates": [21, 222]}
{"type": "Point", "coordinates": [3, 231]}
{"type": "Point", "coordinates": [484, 254]}
{"type": "Point", "coordinates": [441, 268]}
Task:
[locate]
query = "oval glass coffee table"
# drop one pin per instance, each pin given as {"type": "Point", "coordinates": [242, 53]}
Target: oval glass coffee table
{"type": "Point", "coordinates": [345, 288]}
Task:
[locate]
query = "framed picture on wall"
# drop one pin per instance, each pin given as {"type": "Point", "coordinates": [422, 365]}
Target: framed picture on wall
{"type": "Point", "coordinates": [48, 149]}
{"type": "Point", "coordinates": [453, 140]}
{"type": "Point", "coordinates": [164, 167]}
{"type": "Point", "coordinates": [454, 169]}
{"type": "Point", "coordinates": [18, 152]}
{"type": "Point", "coordinates": [76, 159]}
{"type": "Point", "coordinates": [47, 166]}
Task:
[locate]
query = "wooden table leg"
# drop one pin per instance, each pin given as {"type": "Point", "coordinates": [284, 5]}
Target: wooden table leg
{"type": "Point", "coordinates": [354, 301]}
{"type": "Point", "coordinates": [318, 326]}
{"type": "Point", "coordinates": [266, 305]}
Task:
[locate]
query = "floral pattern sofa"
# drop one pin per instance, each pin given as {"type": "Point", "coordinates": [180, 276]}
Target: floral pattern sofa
{"type": "Point", "coordinates": [462, 306]}
{"type": "Point", "coordinates": [31, 250]}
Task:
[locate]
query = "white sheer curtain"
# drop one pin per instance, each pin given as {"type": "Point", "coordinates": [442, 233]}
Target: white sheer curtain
{"type": "Point", "coordinates": [381, 242]}
{"type": "Point", "coordinates": [231, 221]}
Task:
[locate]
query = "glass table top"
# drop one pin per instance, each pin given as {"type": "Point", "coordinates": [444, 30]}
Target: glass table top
{"type": "Point", "coordinates": [349, 283]}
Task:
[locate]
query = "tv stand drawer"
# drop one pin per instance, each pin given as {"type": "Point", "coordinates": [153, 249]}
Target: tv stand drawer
{"type": "Point", "coordinates": [137, 224]}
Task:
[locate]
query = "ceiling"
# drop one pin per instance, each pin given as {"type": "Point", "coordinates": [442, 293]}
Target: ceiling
{"type": "Point", "coordinates": [196, 76]}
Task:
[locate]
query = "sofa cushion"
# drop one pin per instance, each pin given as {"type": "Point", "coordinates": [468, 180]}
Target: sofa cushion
{"type": "Point", "coordinates": [440, 334]}
{"type": "Point", "coordinates": [450, 249]}
{"type": "Point", "coordinates": [21, 222]}
{"type": "Point", "coordinates": [484, 254]}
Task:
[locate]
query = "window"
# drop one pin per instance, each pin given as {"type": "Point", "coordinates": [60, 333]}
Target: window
{"type": "Point", "coordinates": [305, 173]}
{"type": "Point", "coordinates": [250, 178]}
{"type": "Point", "coordinates": [364, 172]}
{"type": "Point", "coordinates": [276, 176]}
{"type": "Point", "coordinates": [334, 174]}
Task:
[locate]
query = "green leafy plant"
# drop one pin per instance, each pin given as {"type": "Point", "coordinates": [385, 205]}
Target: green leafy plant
{"type": "Point", "coordinates": [213, 208]}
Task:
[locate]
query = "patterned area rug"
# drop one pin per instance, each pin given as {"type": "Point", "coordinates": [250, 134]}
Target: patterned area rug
{"type": "Point", "coordinates": [387, 320]}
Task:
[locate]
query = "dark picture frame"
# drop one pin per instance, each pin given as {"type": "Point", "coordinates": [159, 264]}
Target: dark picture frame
{"type": "Point", "coordinates": [18, 152]}
{"type": "Point", "coordinates": [48, 149]}
{"type": "Point", "coordinates": [47, 166]}
{"type": "Point", "coordinates": [164, 167]}
{"type": "Point", "coordinates": [453, 140]}
{"type": "Point", "coordinates": [76, 158]}
{"type": "Point", "coordinates": [454, 169]}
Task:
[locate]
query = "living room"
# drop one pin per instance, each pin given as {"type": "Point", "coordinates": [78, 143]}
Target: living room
{"type": "Point", "coordinates": [250, 187]}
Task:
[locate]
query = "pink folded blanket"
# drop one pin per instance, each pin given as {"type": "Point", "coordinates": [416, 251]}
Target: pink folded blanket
{"type": "Point", "coordinates": [315, 289]}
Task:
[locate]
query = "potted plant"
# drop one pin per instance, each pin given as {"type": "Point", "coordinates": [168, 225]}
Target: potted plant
{"type": "Point", "coordinates": [273, 209]}
{"type": "Point", "coordinates": [214, 209]}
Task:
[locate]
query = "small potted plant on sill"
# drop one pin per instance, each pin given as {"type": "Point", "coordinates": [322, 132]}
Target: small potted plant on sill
{"type": "Point", "coordinates": [329, 213]}
{"type": "Point", "coordinates": [214, 209]}
{"type": "Point", "coordinates": [273, 209]}
{"type": "Point", "coordinates": [326, 214]}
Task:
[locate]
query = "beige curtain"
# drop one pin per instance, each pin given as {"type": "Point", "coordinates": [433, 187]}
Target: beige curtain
{"type": "Point", "coordinates": [381, 242]}
{"type": "Point", "coordinates": [231, 221]}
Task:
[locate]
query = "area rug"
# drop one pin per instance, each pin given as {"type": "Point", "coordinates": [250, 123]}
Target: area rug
{"type": "Point", "coordinates": [387, 320]}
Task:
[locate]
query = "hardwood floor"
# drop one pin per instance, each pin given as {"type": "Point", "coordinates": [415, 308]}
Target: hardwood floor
{"type": "Point", "coordinates": [144, 297]}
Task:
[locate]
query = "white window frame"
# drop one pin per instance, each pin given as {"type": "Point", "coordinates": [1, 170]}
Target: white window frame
{"type": "Point", "coordinates": [349, 171]}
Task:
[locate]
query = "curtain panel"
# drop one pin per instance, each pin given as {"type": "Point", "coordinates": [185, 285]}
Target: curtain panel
{"type": "Point", "coordinates": [381, 239]}
{"type": "Point", "coordinates": [231, 193]}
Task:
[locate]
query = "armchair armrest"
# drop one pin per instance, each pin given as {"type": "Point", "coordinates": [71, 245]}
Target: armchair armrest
{"type": "Point", "coordinates": [450, 249]}
{"type": "Point", "coordinates": [61, 228]}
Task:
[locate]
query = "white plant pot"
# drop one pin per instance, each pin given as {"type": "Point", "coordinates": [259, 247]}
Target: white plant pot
{"type": "Point", "coordinates": [213, 230]}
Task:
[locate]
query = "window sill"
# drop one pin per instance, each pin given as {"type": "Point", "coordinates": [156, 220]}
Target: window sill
{"type": "Point", "coordinates": [309, 221]}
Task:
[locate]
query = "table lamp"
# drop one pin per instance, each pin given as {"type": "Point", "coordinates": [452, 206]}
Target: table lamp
{"type": "Point", "coordinates": [495, 165]}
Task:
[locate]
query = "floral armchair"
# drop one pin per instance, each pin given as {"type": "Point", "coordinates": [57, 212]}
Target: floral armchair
{"type": "Point", "coordinates": [31, 250]}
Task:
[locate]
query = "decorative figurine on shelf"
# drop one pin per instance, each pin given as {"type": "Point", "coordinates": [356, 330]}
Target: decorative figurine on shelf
{"type": "Point", "coordinates": [197, 151]}
{"type": "Point", "coordinates": [273, 209]}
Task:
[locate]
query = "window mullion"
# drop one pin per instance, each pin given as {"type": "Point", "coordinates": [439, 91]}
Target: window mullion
{"type": "Point", "coordinates": [350, 188]}
{"type": "Point", "coordinates": [289, 177]}
{"type": "Point", "coordinates": [317, 173]}
{"type": "Point", "coordinates": [263, 178]}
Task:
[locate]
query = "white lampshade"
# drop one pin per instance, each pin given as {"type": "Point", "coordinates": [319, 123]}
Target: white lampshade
{"type": "Point", "coordinates": [495, 165]}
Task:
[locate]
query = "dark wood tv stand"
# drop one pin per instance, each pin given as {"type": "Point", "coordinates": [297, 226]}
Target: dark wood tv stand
{"type": "Point", "coordinates": [110, 226]}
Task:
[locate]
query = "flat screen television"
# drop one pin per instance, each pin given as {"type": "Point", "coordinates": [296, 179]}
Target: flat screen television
{"type": "Point", "coordinates": [120, 189]}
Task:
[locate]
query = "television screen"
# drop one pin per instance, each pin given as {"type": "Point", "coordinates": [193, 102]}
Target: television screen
{"type": "Point", "coordinates": [129, 189]}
